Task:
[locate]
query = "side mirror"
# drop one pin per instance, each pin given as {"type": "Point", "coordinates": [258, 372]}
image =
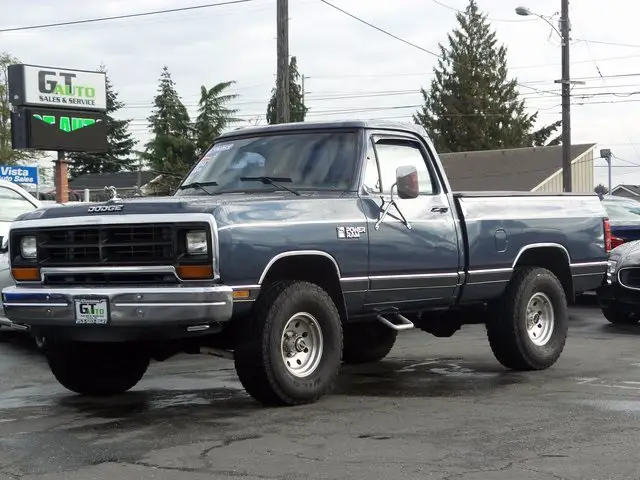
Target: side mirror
{"type": "Point", "coordinates": [407, 182]}
{"type": "Point", "coordinates": [4, 244]}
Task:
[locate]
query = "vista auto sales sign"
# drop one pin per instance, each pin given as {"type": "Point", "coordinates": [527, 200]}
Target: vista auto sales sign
{"type": "Point", "coordinates": [57, 87]}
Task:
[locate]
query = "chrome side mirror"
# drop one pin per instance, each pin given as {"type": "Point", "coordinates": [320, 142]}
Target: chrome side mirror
{"type": "Point", "coordinates": [407, 182]}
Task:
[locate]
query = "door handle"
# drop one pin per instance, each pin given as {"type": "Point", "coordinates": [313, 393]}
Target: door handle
{"type": "Point", "coordinates": [440, 209]}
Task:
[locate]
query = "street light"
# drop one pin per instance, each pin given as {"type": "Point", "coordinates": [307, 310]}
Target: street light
{"type": "Point", "coordinates": [525, 12]}
{"type": "Point", "coordinates": [566, 87]}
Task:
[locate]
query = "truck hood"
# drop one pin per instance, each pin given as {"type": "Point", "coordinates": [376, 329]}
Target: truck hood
{"type": "Point", "coordinates": [224, 206]}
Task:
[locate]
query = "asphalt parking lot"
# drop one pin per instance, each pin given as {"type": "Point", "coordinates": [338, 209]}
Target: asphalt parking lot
{"type": "Point", "coordinates": [434, 409]}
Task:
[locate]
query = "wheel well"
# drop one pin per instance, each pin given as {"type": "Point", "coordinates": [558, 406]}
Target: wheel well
{"type": "Point", "coordinates": [553, 259]}
{"type": "Point", "coordinates": [316, 269]}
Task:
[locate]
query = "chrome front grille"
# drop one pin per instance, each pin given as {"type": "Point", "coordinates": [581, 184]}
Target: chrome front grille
{"type": "Point", "coordinates": [144, 244]}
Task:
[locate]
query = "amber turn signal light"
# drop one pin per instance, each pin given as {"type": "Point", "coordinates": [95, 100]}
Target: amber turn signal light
{"type": "Point", "coordinates": [195, 272]}
{"type": "Point", "coordinates": [25, 274]}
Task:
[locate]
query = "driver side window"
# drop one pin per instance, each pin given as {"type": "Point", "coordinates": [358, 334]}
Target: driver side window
{"type": "Point", "coordinates": [394, 153]}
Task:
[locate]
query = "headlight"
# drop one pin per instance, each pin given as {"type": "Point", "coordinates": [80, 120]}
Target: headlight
{"type": "Point", "coordinates": [28, 247]}
{"type": "Point", "coordinates": [197, 243]}
{"type": "Point", "coordinates": [611, 269]}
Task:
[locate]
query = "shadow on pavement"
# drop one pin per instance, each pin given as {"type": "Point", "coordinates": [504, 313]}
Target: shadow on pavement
{"type": "Point", "coordinates": [442, 377]}
{"type": "Point", "coordinates": [621, 329]}
{"type": "Point", "coordinates": [18, 341]}
{"type": "Point", "coordinates": [587, 300]}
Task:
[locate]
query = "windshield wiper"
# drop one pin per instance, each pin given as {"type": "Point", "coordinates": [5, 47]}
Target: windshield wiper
{"type": "Point", "coordinates": [199, 186]}
{"type": "Point", "coordinates": [275, 181]}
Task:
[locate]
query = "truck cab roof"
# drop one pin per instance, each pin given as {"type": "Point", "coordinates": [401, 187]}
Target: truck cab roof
{"type": "Point", "coordinates": [407, 127]}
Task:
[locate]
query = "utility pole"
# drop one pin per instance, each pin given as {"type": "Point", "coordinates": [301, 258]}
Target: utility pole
{"type": "Point", "coordinates": [606, 154]}
{"type": "Point", "coordinates": [565, 28]}
{"type": "Point", "coordinates": [302, 86]}
{"type": "Point", "coordinates": [282, 77]}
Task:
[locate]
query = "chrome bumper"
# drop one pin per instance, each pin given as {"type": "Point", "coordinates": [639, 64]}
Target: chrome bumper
{"type": "Point", "coordinates": [6, 323]}
{"type": "Point", "coordinates": [127, 307]}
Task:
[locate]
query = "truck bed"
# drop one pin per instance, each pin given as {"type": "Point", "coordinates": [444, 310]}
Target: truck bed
{"type": "Point", "coordinates": [497, 234]}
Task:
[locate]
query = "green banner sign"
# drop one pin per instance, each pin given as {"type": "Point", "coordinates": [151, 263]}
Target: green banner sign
{"type": "Point", "coordinates": [67, 124]}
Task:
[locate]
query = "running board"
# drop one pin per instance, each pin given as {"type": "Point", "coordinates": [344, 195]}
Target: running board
{"type": "Point", "coordinates": [401, 322]}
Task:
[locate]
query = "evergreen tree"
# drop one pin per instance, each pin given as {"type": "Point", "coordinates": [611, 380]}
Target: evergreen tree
{"type": "Point", "coordinates": [213, 114]}
{"type": "Point", "coordinates": [9, 156]}
{"type": "Point", "coordinates": [172, 150]}
{"type": "Point", "coordinates": [120, 143]}
{"type": "Point", "coordinates": [472, 104]}
{"type": "Point", "coordinates": [297, 108]}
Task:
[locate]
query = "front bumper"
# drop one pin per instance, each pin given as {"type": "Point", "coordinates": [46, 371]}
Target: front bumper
{"type": "Point", "coordinates": [179, 306]}
{"type": "Point", "coordinates": [8, 324]}
{"type": "Point", "coordinates": [623, 299]}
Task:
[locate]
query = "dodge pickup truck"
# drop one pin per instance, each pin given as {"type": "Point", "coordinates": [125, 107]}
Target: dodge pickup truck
{"type": "Point", "coordinates": [292, 249]}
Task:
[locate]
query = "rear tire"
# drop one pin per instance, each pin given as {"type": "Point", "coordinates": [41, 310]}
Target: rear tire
{"type": "Point", "coordinates": [528, 327]}
{"type": "Point", "coordinates": [292, 346]}
{"type": "Point", "coordinates": [367, 342]}
{"type": "Point", "coordinates": [619, 318]}
{"type": "Point", "coordinates": [96, 369]}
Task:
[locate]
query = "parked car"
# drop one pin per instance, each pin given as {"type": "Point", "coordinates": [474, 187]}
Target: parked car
{"type": "Point", "coordinates": [624, 218]}
{"type": "Point", "coordinates": [619, 296]}
{"type": "Point", "coordinates": [14, 201]}
{"type": "Point", "coordinates": [293, 248]}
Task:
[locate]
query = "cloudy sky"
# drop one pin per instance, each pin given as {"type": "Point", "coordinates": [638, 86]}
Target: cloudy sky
{"type": "Point", "coordinates": [351, 69]}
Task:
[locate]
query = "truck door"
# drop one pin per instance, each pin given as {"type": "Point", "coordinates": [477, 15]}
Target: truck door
{"type": "Point", "coordinates": [412, 264]}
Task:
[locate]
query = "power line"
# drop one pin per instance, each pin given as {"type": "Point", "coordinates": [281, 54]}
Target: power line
{"type": "Point", "coordinates": [615, 44]}
{"type": "Point", "coordinates": [120, 17]}
{"type": "Point", "coordinates": [417, 74]}
{"type": "Point", "coordinates": [407, 42]}
{"type": "Point", "coordinates": [622, 125]}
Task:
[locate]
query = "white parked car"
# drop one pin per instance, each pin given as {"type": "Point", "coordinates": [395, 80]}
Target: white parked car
{"type": "Point", "coordinates": [14, 201]}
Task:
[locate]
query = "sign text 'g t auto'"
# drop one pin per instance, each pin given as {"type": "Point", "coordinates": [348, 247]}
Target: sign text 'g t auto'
{"type": "Point", "coordinates": [57, 87]}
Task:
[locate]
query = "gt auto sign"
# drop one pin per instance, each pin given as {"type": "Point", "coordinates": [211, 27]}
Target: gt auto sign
{"type": "Point", "coordinates": [57, 87]}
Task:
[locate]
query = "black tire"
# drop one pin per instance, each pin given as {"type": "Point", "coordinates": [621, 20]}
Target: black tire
{"type": "Point", "coordinates": [619, 318]}
{"type": "Point", "coordinates": [258, 356]}
{"type": "Point", "coordinates": [507, 326]}
{"type": "Point", "coordinates": [96, 369]}
{"type": "Point", "coordinates": [367, 342]}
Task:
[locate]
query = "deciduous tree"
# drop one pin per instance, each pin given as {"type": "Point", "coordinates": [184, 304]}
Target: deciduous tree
{"type": "Point", "coordinates": [213, 114]}
{"type": "Point", "coordinates": [9, 156]}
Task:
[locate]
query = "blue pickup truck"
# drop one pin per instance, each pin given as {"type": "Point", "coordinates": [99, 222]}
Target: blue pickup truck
{"type": "Point", "coordinates": [293, 249]}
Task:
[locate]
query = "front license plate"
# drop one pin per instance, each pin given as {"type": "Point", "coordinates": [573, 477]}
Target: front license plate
{"type": "Point", "coordinates": [90, 311]}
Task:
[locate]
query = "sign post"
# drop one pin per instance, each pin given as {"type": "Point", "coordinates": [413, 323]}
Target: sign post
{"type": "Point", "coordinates": [57, 109]}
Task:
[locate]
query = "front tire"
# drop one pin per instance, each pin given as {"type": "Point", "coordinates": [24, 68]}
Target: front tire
{"type": "Point", "coordinates": [528, 328]}
{"type": "Point", "coordinates": [617, 317]}
{"type": "Point", "coordinates": [96, 369]}
{"type": "Point", "coordinates": [292, 350]}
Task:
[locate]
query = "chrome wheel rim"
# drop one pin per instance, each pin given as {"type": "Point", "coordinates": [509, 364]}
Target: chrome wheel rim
{"type": "Point", "coordinates": [301, 345]}
{"type": "Point", "coordinates": [540, 319]}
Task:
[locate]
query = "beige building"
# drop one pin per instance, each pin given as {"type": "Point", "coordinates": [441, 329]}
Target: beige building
{"type": "Point", "coordinates": [536, 169]}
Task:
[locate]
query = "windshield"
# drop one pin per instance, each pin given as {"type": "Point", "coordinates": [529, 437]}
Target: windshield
{"type": "Point", "coordinates": [305, 161]}
{"type": "Point", "coordinates": [622, 212]}
{"type": "Point", "coordinates": [13, 205]}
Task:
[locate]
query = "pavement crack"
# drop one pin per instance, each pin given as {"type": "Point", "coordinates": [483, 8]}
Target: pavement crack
{"type": "Point", "coordinates": [541, 472]}
{"type": "Point", "coordinates": [228, 441]}
{"type": "Point", "coordinates": [208, 471]}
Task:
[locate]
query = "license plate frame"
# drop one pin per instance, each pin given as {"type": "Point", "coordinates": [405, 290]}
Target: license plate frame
{"type": "Point", "coordinates": [99, 317]}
